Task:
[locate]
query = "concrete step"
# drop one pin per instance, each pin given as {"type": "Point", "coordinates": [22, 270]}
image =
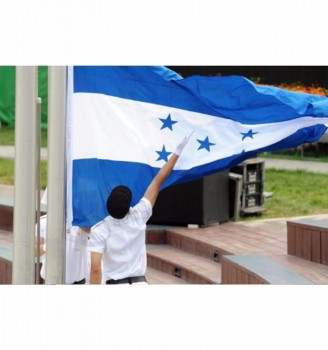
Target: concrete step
{"type": "Point", "coordinates": [192, 242]}
{"type": "Point", "coordinates": [191, 268]}
{"type": "Point", "coordinates": [155, 276]}
{"type": "Point", "coordinates": [189, 240]}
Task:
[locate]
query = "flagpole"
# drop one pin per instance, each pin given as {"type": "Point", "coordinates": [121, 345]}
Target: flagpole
{"type": "Point", "coordinates": [56, 213]}
{"type": "Point", "coordinates": [25, 175]}
{"type": "Point", "coordinates": [38, 184]}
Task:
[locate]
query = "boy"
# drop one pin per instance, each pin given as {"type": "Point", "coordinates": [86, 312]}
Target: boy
{"type": "Point", "coordinates": [119, 241]}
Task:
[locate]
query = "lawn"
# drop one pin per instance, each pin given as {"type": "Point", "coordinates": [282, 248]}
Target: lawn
{"type": "Point", "coordinates": [7, 167]}
{"type": "Point", "coordinates": [7, 136]}
{"type": "Point", "coordinates": [295, 193]}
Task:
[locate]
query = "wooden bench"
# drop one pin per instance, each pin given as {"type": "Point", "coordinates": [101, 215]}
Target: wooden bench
{"type": "Point", "coordinates": [308, 239]}
{"type": "Point", "coordinates": [257, 269]}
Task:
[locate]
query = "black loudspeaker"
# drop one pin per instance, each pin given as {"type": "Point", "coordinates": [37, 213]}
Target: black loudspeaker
{"type": "Point", "coordinates": [203, 202]}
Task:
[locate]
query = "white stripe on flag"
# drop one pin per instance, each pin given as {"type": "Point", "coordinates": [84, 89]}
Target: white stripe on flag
{"type": "Point", "coordinates": [131, 131]}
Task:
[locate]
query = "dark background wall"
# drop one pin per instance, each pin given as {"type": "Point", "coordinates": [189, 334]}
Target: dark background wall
{"type": "Point", "coordinates": [269, 74]}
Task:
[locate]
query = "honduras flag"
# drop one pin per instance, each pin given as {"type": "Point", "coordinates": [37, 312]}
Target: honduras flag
{"type": "Point", "coordinates": [125, 122]}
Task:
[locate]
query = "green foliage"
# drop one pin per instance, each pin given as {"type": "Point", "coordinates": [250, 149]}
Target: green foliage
{"type": "Point", "coordinates": [7, 97]}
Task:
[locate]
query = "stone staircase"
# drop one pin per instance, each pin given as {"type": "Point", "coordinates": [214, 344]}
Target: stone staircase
{"type": "Point", "coordinates": [199, 258]}
{"type": "Point", "coordinates": [179, 259]}
{"type": "Point", "coordinates": [268, 252]}
{"type": "Point", "coordinates": [155, 276]}
{"type": "Point", "coordinates": [305, 263]}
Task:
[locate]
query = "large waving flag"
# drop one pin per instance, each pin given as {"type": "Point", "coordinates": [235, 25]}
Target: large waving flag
{"type": "Point", "coordinates": [125, 122]}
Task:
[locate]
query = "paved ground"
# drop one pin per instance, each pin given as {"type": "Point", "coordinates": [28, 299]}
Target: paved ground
{"type": "Point", "coordinates": [6, 192]}
{"type": "Point", "coordinates": [317, 167]}
{"type": "Point", "coordinates": [8, 152]}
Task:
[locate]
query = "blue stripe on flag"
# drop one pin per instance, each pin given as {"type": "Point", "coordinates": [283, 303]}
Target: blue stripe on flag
{"type": "Point", "coordinates": [232, 97]}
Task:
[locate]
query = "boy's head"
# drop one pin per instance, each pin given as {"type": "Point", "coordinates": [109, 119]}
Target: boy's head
{"type": "Point", "coordinates": [119, 201]}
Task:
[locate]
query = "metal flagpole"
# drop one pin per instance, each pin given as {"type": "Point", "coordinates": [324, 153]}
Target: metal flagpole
{"type": "Point", "coordinates": [25, 173]}
{"type": "Point", "coordinates": [38, 179]}
{"type": "Point", "coordinates": [56, 213]}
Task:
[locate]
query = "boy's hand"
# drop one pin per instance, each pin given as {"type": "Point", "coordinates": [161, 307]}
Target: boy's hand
{"type": "Point", "coordinates": [182, 144]}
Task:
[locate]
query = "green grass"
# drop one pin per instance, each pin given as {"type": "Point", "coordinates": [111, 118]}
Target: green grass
{"type": "Point", "coordinates": [7, 136]}
{"type": "Point", "coordinates": [295, 193]}
{"type": "Point", "coordinates": [6, 171]}
{"type": "Point", "coordinates": [7, 167]}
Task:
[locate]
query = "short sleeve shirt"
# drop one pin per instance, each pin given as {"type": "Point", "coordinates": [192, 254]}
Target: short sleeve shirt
{"type": "Point", "coordinates": [122, 242]}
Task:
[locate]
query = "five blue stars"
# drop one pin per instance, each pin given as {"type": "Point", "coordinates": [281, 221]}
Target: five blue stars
{"type": "Point", "coordinates": [163, 154]}
{"type": "Point", "coordinates": [250, 134]}
{"type": "Point", "coordinates": [168, 122]}
{"type": "Point", "coordinates": [205, 144]}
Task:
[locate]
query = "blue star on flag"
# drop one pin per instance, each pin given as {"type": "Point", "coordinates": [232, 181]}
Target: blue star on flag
{"type": "Point", "coordinates": [205, 144]}
{"type": "Point", "coordinates": [163, 154]}
{"type": "Point", "coordinates": [250, 134]}
{"type": "Point", "coordinates": [168, 122]}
